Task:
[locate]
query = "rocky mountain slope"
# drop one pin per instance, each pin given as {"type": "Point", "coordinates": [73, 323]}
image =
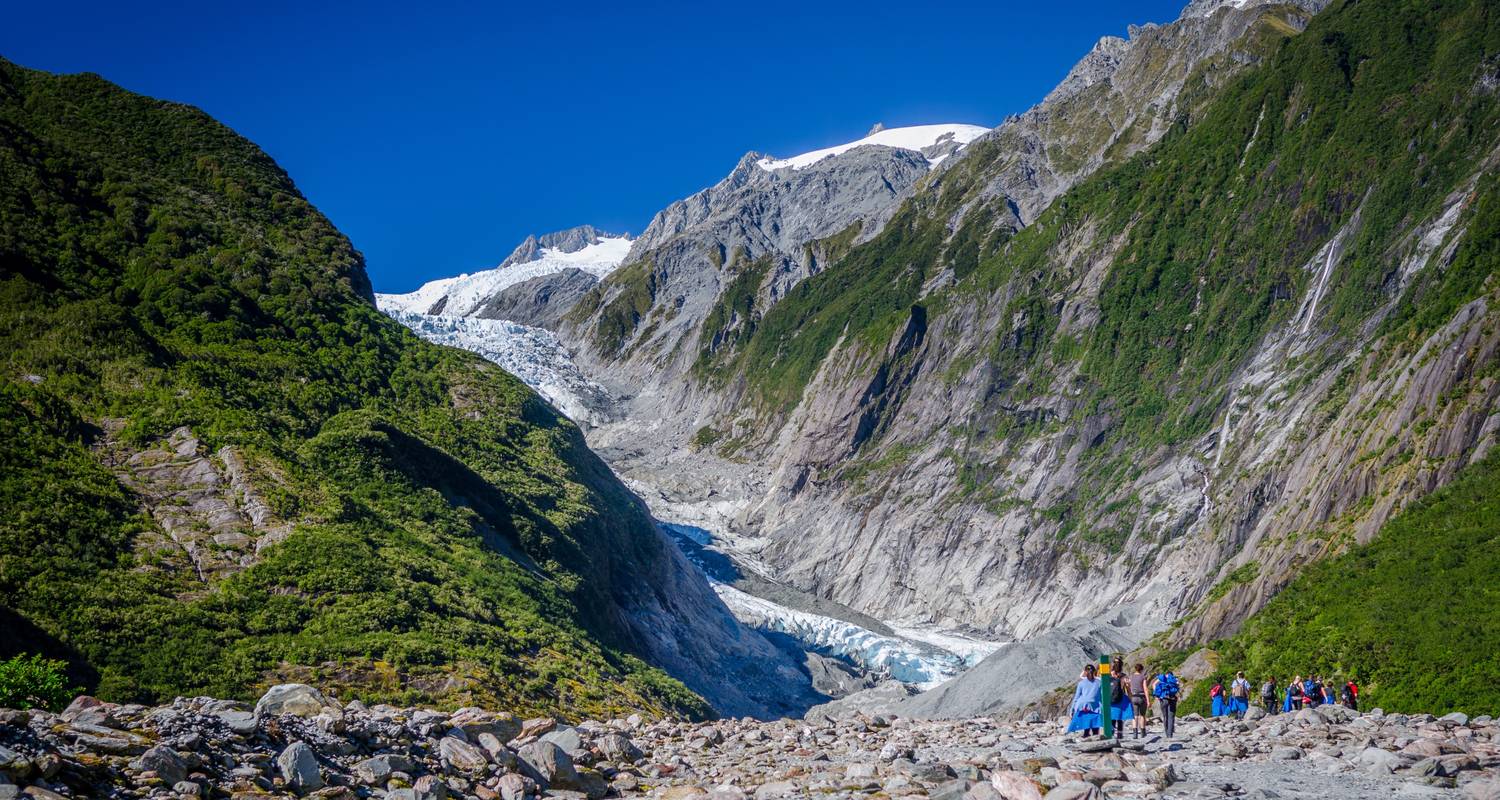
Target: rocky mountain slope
{"type": "Point", "coordinates": [1217, 308]}
{"type": "Point", "coordinates": [221, 465]}
{"type": "Point", "coordinates": [299, 742]}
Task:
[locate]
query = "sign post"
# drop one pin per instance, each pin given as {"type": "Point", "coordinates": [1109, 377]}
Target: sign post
{"type": "Point", "coordinates": [1106, 699]}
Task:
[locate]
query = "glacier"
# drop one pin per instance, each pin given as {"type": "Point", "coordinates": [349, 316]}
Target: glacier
{"type": "Point", "coordinates": [922, 655]}
{"type": "Point", "coordinates": [532, 354]}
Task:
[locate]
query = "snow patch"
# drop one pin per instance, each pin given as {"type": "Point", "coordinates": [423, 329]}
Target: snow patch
{"type": "Point", "coordinates": [915, 137]}
{"type": "Point", "coordinates": [467, 292]}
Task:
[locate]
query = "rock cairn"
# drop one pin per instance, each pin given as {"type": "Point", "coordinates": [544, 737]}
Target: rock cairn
{"type": "Point", "coordinates": [297, 742]}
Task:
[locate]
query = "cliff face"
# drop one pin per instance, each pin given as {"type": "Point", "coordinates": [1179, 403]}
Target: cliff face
{"type": "Point", "coordinates": [1219, 306]}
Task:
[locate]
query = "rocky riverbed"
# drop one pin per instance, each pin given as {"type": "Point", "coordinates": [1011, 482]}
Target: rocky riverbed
{"type": "Point", "coordinates": [297, 742]}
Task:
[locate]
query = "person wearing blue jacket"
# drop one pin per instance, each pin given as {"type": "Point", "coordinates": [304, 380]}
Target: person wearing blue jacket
{"type": "Point", "coordinates": [1217, 693]}
{"type": "Point", "coordinates": [1166, 689]}
{"type": "Point", "coordinates": [1086, 704]}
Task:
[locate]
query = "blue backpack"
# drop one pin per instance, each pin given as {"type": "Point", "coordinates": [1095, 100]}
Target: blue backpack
{"type": "Point", "coordinates": [1166, 686]}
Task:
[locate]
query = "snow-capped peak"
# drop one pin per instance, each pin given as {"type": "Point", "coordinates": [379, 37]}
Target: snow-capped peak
{"type": "Point", "coordinates": [463, 295]}
{"type": "Point", "coordinates": [914, 137]}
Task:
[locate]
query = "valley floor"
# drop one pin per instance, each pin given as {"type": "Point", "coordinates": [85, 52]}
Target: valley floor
{"type": "Point", "coordinates": [299, 742]}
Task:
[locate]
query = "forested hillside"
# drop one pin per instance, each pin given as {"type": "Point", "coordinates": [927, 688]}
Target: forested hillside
{"type": "Point", "coordinates": [220, 465]}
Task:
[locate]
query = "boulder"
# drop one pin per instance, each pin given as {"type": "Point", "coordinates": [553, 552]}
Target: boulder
{"type": "Point", "coordinates": [298, 766]}
{"type": "Point", "coordinates": [476, 721]}
{"type": "Point", "coordinates": [296, 699]}
{"type": "Point", "coordinates": [1015, 786]}
{"type": "Point", "coordinates": [242, 723]}
{"type": "Point", "coordinates": [461, 757]}
{"type": "Point", "coordinates": [568, 738]}
{"type": "Point", "coordinates": [511, 786]}
{"type": "Point", "coordinates": [1482, 790]}
{"type": "Point", "coordinates": [1378, 761]}
{"type": "Point", "coordinates": [1285, 753]}
{"type": "Point", "coordinates": [165, 762]}
{"type": "Point", "coordinates": [548, 765]}
{"type": "Point", "coordinates": [1076, 790]}
{"type": "Point", "coordinates": [619, 748]}
{"type": "Point", "coordinates": [429, 787]}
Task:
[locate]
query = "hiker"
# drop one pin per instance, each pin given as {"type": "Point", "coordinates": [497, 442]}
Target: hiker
{"type": "Point", "coordinates": [1239, 696]}
{"type": "Point", "coordinates": [1351, 695]}
{"type": "Point", "coordinates": [1119, 699]}
{"type": "Point", "coordinates": [1086, 703]}
{"type": "Point", "coordinates": [1331, 692]}
{"type": "Point", "coordinates": [1166, 697]}
{"type": "Point", "coordinates": [1312, 693]}
{"type": "Point", "coordinates": [1269, 695]}
{"type": "Point", "coordinates": [1137, 686]}
{"type": "Point", "coordinates": [1217, 693]}
{"type": "Point", "coordinates": [1293, 695]}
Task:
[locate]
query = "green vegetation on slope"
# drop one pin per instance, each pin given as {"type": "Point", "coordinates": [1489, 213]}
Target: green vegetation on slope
{"type": "Point", "coordinates": [1410, 616]}
{"type": "Point", "coordinates": [454, 540]}
{"type": "Point", "coordinates": [1378, 104]}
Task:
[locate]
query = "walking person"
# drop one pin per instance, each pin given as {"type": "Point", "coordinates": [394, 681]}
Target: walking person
{"type": "Point", "coordinates": [1137, 686]}
{"type": "Point", "coordinates": [1351, 695]}
{"type": "Point", "coordinates": [1217, 693]}
{"type": "Point", "coordinates": [1086, 704]}
{"type": "Point", "coordinates": [1269, 697]}
{"type": "Point", "coordinates": [1119, 700]}
{"type": "Point", "coordinates": [1239, 696]}
{"type": "Point", "coordinates": [1166, 693]}
{"type": "Point", "coordinates": [1311, 692]}
{"type": "Point", "coordinates": [1293, 695]}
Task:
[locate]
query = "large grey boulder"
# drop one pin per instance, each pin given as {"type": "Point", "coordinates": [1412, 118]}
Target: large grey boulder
{"type": "Point", "coordinates": [549, 766]}
{"type": "Point", "coordinates": [296, 699]}
{"type": "Point", "coordinates": [476, 721]}
{"type": "Point", "coordinates": [619, 748]}
{"type": "Point", "coordinates": [461, 757]}
{"type": "Point", "coordinates": [165, 762]}
{"type": "Point", "coordinates": [298, 766]}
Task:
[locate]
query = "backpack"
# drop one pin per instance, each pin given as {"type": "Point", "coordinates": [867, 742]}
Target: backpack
{"type": "Point", "coordinates": [1166, 686]}
{"type": "Point", "coordinates": [1240, 689]}
{"type": "Point", "coordinates": [1268, 689]}
{"type": "Point", "coordinates": [1217, 691]}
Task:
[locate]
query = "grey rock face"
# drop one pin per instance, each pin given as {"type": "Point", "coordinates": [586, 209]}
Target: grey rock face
{"type": "Point", "coordinates": [910, 542]}
{"type": "Point", "coordinates": [541, 301]}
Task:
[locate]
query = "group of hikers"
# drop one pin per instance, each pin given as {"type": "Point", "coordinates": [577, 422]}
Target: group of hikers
{"type": "Point", "coordinates": [1132, 695]}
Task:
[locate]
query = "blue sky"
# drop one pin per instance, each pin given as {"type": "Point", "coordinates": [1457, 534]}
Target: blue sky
{"type": "Point", "coordinates": [437, 135]}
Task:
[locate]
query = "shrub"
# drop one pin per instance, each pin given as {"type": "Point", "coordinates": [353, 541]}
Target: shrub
{"type": "Point", "coordinates": [34, 682]}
